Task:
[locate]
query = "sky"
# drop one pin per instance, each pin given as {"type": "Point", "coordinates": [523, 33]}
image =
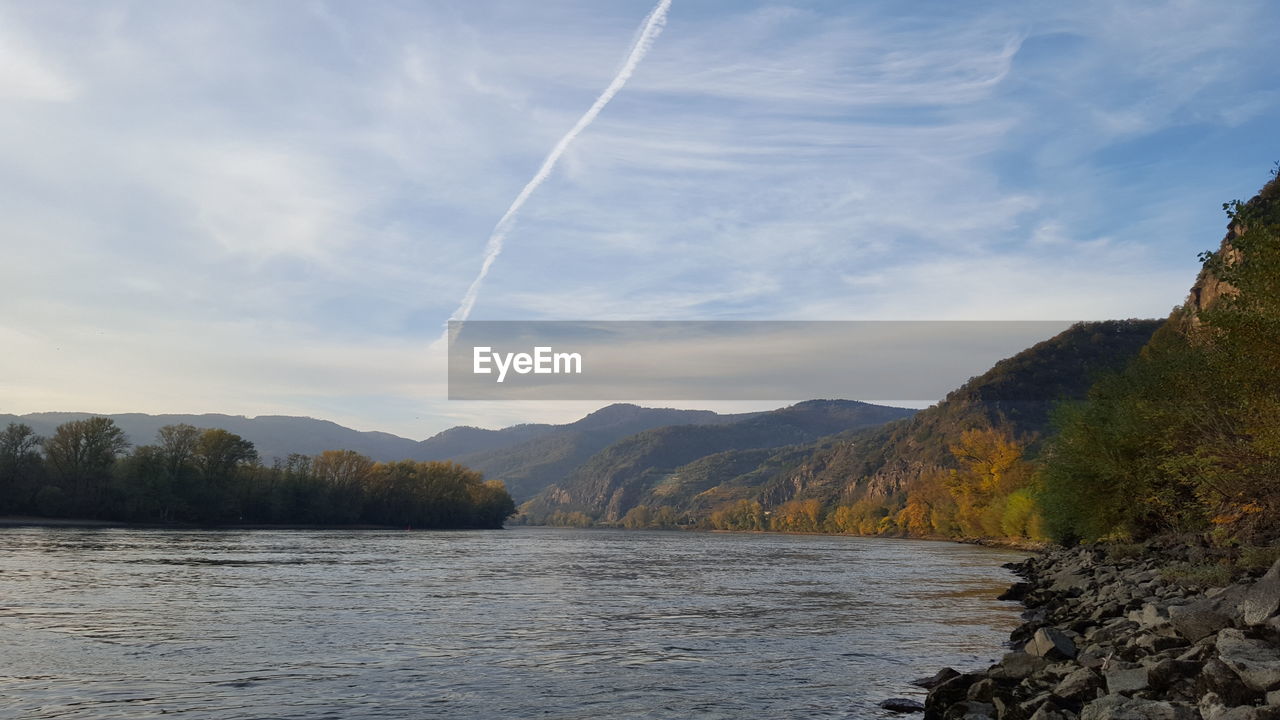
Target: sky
{"type": "Point", "coordinates": [273, 208]}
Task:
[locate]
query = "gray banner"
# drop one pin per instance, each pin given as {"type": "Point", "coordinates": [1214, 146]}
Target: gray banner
{"type": "Point", "coordinates": [901, 361]}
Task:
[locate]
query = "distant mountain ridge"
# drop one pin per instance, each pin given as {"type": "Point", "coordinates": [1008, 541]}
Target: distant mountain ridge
{"type": "Point", "coordinates": [878, 459]}
{"type": "Point", "coordinates": [529, 460]}
{"type": "Point", "coordinates": [526, 456]}
{"type": "Point", "coordinates": [618, 477]}
{"type": "Point", "coordinates": [274, 436]}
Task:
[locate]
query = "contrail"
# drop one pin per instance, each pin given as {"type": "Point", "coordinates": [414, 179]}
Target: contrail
{"type": "Point", "coordinates": [649, 31]}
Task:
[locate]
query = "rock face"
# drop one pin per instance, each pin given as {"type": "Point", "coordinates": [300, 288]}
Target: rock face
{"type": "Point", "coordinates": [1109, 638]}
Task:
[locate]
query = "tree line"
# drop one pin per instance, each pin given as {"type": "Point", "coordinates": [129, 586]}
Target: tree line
{"type": "Point", "coordinates": [88, 470]}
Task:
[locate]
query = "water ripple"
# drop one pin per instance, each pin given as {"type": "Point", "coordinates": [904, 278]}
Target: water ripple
{"type": "Point", "coordinates": [517, 623]}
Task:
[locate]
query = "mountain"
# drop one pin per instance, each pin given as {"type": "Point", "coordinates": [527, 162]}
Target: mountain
{"type": "Point", "coordinates": [466, 440]}
{"type": "Point", "coordinates": [527, 457]}
{"type": "Point", "coordinates": [1016, 395]}
{"type": "Point", "coordinates": [694, 474]}
{"type": "Point", "coordinates": [618, 477]}
{"type": "Point", "coordinates": [527, 462]}
{"type": "Point", "coordinates": [274, 436]}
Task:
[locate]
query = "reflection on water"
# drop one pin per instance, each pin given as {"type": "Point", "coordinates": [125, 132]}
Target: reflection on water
{"type": "Point", "coordinates": [516, 623]}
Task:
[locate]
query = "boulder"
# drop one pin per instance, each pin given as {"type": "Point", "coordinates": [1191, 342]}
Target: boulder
{"type": "Point", "coordinates": [1081, 685]}
{"type": "Point", "coordinates": [1017, 591]}
{"type": "Point", "coordinates": [1169, 672]}
{"type": "Point", "coordinates": [1213, 708]}
{"type": "Point", "coordinates": [1262, 599]}
{"type": "Point", "coordinates": [1118, 707]}
{"type": "Point", "coordinates": [1018, 666]}
{"type": "Point", "coordinates": [1071, 582]}
{"type": "Point", "coordinates": [902, 705]}
{"type": "Point", "coordinates": [1125, 678]}
{"type": "Point", "coordinates": [937, 679]}
{"type": "Point", "coordinates": [1052, 644]}
{"type": "Point", "coordinates": [1154, 642]}
{"type": "Point", "coordinates": [1197, 620]}
{"type": "Point", "coordinates": [1256, 662]}
{"type": "Point", "coordinates": [1217, 679]}
{"type": "Point", "coordinates": [949, 693]}
{"type": "Point", "coordinates": [1151, 615]}
{"type": "Point", "coordinates": [982, 690]}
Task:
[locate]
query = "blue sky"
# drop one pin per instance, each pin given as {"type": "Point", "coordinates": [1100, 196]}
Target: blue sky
{"type": "Point", "coordinates": [272, 208]}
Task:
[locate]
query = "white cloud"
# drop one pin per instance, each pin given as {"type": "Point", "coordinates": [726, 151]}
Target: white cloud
{"type": "Point", "coordinates": [266, 208]}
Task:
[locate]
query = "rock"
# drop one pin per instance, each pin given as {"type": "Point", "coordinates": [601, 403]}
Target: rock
{"type": "Point", "coordinates": [1048, 712]}
{"type": "Point", "coordinates": [1217, 679]}
{"type": "Point", "coordinates": [1118, 707]}
{"type": "Point", "coordinates": [1169, 672]}
{"type": "Point", "coordinates": [949, 693]}
{"type": "Point", "coordinates": [1213, 708]}
{"type": "Point", "coordinates": [938, 678]}
{"type": "Point", "coordinates": [1017, 591]}
{"type": "Point", "coordinates": [1151, 615]}
{"type": "Point", "coordinates": [1052, 644]}
{"type": "Point", "coordinates": [1069, 582]}
{"type": "Point", "coordinates": [1154, 642]}
{"type": "Point", "coordinates": [1256, 662]}
{"type": "Point", "coordinates": [1125, 678]}
{"type": "Point", "coordinates": [982, 690]}
{"type": "Point", "coordinates": [1113, 631]}
{"type": "Point", "coordinates": [1018, 666]}
{"type": "Point", "coordinates": [1197, 620]}
{"type": "Point", "coordinates": [1090, 659]}
{"type": "Point", "coordinates": [902, 705]}
{"type": "Point", "coordinates": [970, 710]}
{"type": "Point", "coordinates": [1081, 685]}
{"type": "Point", "coordinates": [1196, 653]}
{"type": "Point", "coordinates": [1262, 599]}
{"type": "Point", "coordinates": [1273, 698]}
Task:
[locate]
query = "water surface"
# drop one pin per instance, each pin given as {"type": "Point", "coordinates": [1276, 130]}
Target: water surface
{"type": "Point", "coordinates": [525, 622]}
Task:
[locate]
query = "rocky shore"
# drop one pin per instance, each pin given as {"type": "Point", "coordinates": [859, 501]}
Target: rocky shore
{"type": "Point", "coordinates": [1112, 635]}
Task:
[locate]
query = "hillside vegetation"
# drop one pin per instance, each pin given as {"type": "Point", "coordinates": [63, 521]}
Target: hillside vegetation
{"type": "Point", "coordinates": [1187, 436]}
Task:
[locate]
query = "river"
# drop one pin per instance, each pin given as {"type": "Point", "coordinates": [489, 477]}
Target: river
{"type": "Point", "coordinates": [518, 623]}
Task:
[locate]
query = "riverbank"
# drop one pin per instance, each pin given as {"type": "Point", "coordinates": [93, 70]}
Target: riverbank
{"type": "Point", "coordinates": [11, 521]}
{"type": "Point", "coordinates": [1128, 633]}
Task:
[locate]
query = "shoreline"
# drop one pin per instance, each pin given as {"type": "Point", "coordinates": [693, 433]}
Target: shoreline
{"type": "Point", "coordinates": [1110, 634]}
{"type": "Point", "coordinates": [1028, 546]}
{"type": "Point", "coordinates": [29, 521]}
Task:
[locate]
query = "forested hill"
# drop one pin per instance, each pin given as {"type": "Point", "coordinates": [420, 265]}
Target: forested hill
{"type": "Point", "coordinates": [1015, 397]}
{"type": "Point", "coordinates": [618, 477]}
{"type": "Point", "coordinates": [528, 458]}
{"type": "Point", "coordinates": [868, 466]}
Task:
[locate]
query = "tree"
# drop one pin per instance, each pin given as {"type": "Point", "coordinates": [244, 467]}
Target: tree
{"type": "Point", "coordinates": [20, 466]}
{"type": "Point", "coordinates": [80, 456]}
{"type": "Point", "coordinates": [177, 445]}
{"type": "Point", "coordinates": [218, 453]}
